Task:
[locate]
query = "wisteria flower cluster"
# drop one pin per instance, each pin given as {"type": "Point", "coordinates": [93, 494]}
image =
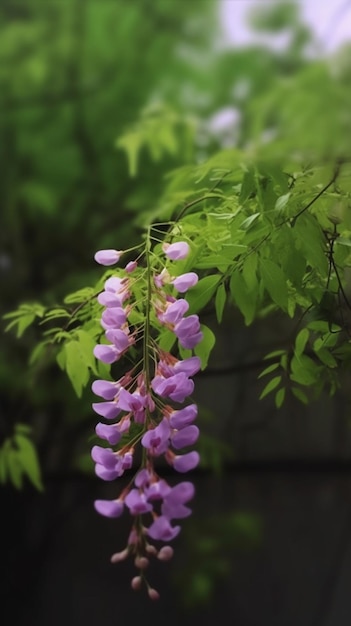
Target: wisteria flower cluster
{"type": "Point", "coordinates": [144, 408]}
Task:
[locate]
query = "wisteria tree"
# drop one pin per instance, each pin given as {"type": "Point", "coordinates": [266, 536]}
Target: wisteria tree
{"type": "Point", "coordinates": [261, 226]}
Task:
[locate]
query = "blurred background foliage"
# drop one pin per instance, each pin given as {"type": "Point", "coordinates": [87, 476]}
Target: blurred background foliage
{"type": "Point", "coordinates": [99, 101]}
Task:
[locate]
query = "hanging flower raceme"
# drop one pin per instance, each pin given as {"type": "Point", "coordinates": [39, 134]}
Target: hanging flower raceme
{"type": "Point", "coordinates": [142, 408]}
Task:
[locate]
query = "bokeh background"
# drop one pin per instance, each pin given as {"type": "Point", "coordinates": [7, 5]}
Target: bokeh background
{"type": "Point", "coordinates": [269, 541]}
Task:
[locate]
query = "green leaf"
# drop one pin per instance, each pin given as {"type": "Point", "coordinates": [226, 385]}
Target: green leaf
{"type": "Point", "coordinates": [204, 348]}
{"type": "Point", "coordinates": [166, 340]}
{"type": "Point", "coordinates": [300, 395]}
{"type": "Point", "coordinates": [202, 292]}
{"type": "Point", "coordinates": [279, 398]}
{"type": "Point", "coordinates": [80, 296]}
{"type": "Point", "coordinates": [281, 202]}
{"type": "Point", "coordinates": [310, 240]}
{"type": "Point", "coordinates": [326, 357]}
{"type": "Point", "coordinates": [242, 297]}
{"type": "Point", "coordinates": [301, 340]}
{"type": "Point", "coordinates": [76, 366]}
{"type": "Point", "coordinates": [304, 370]}
{"type": "Point", "coordinates": [245, 225]}
{"type": "Point", "coordinates": [249, 271]}
{"type": "Point", "coordinates": [268, 370]}
{"type": "Point", "coordinates": [273, 384]}
{"type": "Point", "coordinates": [274, 281]}
{"type": "Point", "coordinates": [220, 301]}
{"type": "Point", "coordinates": [29, 460]}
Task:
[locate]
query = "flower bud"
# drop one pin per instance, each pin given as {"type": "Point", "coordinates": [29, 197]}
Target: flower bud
{"type": "Point", "coordinates": [153, 594]}
{"type": "Point", "coordinates": [107, 257]}
{"type": "Point", "coordinates": [166, 553]}
{"type": "Point", "coordinates": [136, 583]}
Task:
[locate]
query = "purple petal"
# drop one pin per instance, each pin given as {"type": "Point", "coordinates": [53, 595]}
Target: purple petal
{"type": "Point", "coordinates": [114, 284]}
{"type": "Point", "coordinates": [105, 389]}
{"type": "Point", "coordinates": [176, 251]}
{"type": "Point", "coordinates": [183, 282]}
{"type": "Point", "coordinates": [183, 417]}
{"type": "Point", "coordinates": [175, 511]}
{"type": "Point", "coordinates": [106, 474]}
{"type": "Point", "coordinates": [181, 493]}
{"type": "Point", "coordinates": [137, 503]}
{"type": "Point", "coordinates": [185, 437]}
{"type": "Point", "coordinates": [157, 490]}
{"type": "Point", "coordinates": [162, 530]}
{"type": "Point", "coordinates": [107, 257]}
{"type": "Point", "coordinates": [109, 432]}
{"type": "Point", "coordinates": [157, 439]}
{"type": "Point", "coordinates": [174, 312]}
{"type": "Point", "coordinates": [113, 317]}
{"type": "Point", "coordinates": [119, 339]}
{"type": "Point", "coordinates": [186, 462]}
{"type": "Point", "coordinates": [106, 354]}
{"type": "Point", "coordinates": [109, 508]}
{"type": "Point", "coordinates": [191, 341]}
{"type": "Point", "coordinates": [109, 299]}
{"type": "Point", "coordinates": [189, 366]}
{"type": "Point", "coordinates": [104, 456]}
{"type": "Point", "coordinates": [109, 410]}
{"type": "Point", "coordinates": [176, 387]}
{"type": "Point", "coordinates": [131, 266]}
{"type": "Point", "coordinates": [142, 478]}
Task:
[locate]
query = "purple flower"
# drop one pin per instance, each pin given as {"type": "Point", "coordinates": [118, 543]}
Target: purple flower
{"type": "Point", "coordinates": [109, 508]}
{"type": "Point", "coordinates": [104, 456]}
{"type": "Point", "coordinates": [186, 462]}
{"type": "Point", "coordinates": [120, 340]}
{"type": "Point", "coordinates": [185, 437]}
{"type": "Point", "coordinates": [107, 257]}
{"type": "Point", "coordinates": [134, 402]}
{"type": "Point", "coordinates": [176, 251]}
{"type": "Point", "coordinates": [143, 478]}
{"type": "Point", "coordinates": [174, 312]}
{"type": "Point", "coordinates": [116, 291]}
{"type": "Point", "coordinates": [106, 474]}
{"type": "Point", "coordinates": [157, 439]}
{"type": "Point", "coordinates": [183, 282]}
{"type": "Point", "coordinates": [105, 389]}
{"type": "Point", "coordinates": [106, 459]}
{"type": "Point", "coordinates": [137, 503]}
{"type": "Point", "coordinates": [173, 504]}
{"type": "Point", "coordinates": [110, 432]}
{"type": "Point", "coordinates": [109, 410]}
{"type": "Point", "coordinates": [183, 417]}
{"type": "Point", "coordinates": [131, 266]}
{"type": "Point", "coordinates": [106, 353]}
{"type": "Point", "coordinates": [113, 317]}
{"type": "Point", "coordinates": [157, 490]}
{"type": "Point", "coordinates": [162, 279]}
{"type": "Point", "coordinates": [176, 387]}
{"type": "Point", "coordinates": [188, 331]}
{"type": "Point", "coordinates": [189, 366]}
{"type": "Point", "coordinates": [162, 530]}
{"type": "Point", "coordinates": [171, 366]}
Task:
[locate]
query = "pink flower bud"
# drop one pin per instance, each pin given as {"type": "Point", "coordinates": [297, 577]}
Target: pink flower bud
{"type": "Point", "coordinates": [136, 583]}
{"type": "Point", "coordinates": [166, 553]}
{"type": "Point", "coordinates": [176, 251]}
{"type": "Point", "coordinates": [107, 257]}
{"type": "Point", "coordinates": [130, 267]}
{"type": "Point", "coordinates": [153, 594]}
{"type": "Point", "coordinates": [141, 562]}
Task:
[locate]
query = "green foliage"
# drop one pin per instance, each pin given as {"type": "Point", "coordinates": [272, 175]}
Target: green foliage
{"type": "Point", "coordinates": [18, 458]}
